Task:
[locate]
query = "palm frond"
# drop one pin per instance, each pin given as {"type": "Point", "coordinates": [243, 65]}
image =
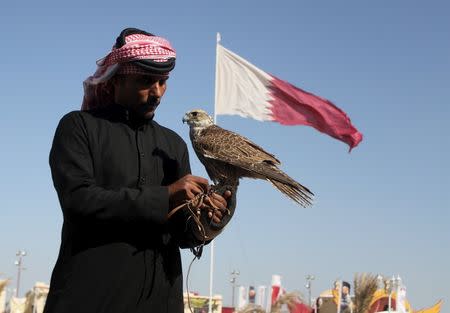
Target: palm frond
{"type": "Point", "coordinates": [365, 286]}
{"type": "Point", "coordinates": [3, 284]}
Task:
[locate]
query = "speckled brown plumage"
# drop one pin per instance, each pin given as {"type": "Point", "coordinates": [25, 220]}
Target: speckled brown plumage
{"type": "Point", "coordinates": [228, 156]}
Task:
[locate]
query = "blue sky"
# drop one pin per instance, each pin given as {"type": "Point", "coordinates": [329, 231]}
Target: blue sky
{"type": "Point", "coordinates": [381, 209]}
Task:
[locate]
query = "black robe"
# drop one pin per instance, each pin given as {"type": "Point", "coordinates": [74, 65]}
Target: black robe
{"type": "Point", "coordinates": [118, 252]}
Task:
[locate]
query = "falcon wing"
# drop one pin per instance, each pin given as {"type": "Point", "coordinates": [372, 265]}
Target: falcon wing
{"type": "Point", "coordinates": [223, 145]}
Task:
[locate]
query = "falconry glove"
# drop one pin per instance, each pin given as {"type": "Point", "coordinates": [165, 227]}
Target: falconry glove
{"type": "Point", "coordinates": [200, 228]}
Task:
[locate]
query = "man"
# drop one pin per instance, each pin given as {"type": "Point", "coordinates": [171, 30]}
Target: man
{"type": "Point", "coordinates": [118, 173]}
{"type": "Point", "coordinates": [346, 301]}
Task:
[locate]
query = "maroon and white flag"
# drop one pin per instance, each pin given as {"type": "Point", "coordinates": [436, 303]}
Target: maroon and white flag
{"type": "Point", "coordinates": [245, 90]}
{"type": "Point", "coordinates": [276, 289]}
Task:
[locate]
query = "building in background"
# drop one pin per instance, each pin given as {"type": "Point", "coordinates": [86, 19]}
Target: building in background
{"type": "Point", "coordinates": [200, 304]}
{"type": "Point", "coordinates": [33, 302]}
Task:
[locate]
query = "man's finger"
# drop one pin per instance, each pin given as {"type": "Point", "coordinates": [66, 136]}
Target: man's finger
{"type": "Point", "coordinates": [190, 195]}
{"type": "Point", "coordinates": [218, 199]}
{"type": "Point", "coordinates": [216, 216]}
{"type": "Point", "coordinates": [200, 181]}
{"type": "Point", "coordinates": [227, 194]}
{"type": "Point", "coordinates": [214, 203]}
{"type": "Point", "coordinates": [196, 189]}
{"type": "Point", "coordinates": [193, 191]}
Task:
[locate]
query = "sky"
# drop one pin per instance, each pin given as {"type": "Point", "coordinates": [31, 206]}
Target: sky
{"type": "Point", "coordinates": [381, 209]}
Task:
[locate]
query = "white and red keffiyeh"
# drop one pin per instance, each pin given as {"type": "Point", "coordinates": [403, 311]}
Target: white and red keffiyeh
{"type": "Point", "coordinates": [137, 47]}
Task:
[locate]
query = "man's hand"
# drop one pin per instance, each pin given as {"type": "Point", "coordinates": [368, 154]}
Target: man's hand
{"type": "Point", "coordinates": [186, 188]}
{"type": "Point", "coordinates": [189, 186]}
{"type": "Point", "coordinates": [216, 205]}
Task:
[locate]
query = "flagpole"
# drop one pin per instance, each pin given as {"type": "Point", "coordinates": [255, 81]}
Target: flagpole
{"type": "Point", "coordinates": [211, 264]}
{"type": "Point", "coordinates": [216, 92]}
{"type": "Point", "coordinates": [339, 297]}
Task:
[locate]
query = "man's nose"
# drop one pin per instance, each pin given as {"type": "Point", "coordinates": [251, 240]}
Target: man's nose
{"type": "Point", "coordinates": [156, 89]}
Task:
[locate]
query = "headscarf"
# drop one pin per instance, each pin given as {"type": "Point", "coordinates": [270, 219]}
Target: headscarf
{"type": "Point", "coordinates": [135, 52]}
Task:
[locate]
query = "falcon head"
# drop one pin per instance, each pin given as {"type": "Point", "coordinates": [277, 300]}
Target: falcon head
{"type": "Point", "coordinates": [198, 119]}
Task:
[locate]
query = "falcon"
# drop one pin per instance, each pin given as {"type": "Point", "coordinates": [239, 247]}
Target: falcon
{"type": "Point", "coordinates": [228, 156]}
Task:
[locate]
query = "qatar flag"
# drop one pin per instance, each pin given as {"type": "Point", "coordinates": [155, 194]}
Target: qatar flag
{"type": "Point", "coordinates": [245, 90]}
{"type": "Point", "coordinates": [276, 288]}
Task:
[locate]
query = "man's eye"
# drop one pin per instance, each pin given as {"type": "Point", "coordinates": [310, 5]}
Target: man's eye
{"type": "Point", "coordinates": [147, 80]}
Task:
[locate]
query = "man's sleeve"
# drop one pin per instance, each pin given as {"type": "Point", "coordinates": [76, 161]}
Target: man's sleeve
{"type": "Point", "coordinates": [80, 197]}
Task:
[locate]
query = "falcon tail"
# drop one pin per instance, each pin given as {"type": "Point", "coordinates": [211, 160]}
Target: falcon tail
{"type": "Point", "coordinates": [297, 192]}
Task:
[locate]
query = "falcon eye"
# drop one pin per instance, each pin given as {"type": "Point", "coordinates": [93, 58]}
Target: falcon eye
{"type": "Point", "coordinates": [194, 114]}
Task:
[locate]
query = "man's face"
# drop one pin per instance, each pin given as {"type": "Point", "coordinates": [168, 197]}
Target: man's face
{"type": "Point", "coordinates": [140, 93]}
{"type": "Point", "coordinates": [345, 290]}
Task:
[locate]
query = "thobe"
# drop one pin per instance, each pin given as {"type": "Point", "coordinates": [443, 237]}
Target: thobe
{"type": "Point", "coordinates": [118, 252]}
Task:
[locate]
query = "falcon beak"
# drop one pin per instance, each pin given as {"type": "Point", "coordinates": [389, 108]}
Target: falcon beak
{"type": "Point", "coordinates": [185, 118]}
